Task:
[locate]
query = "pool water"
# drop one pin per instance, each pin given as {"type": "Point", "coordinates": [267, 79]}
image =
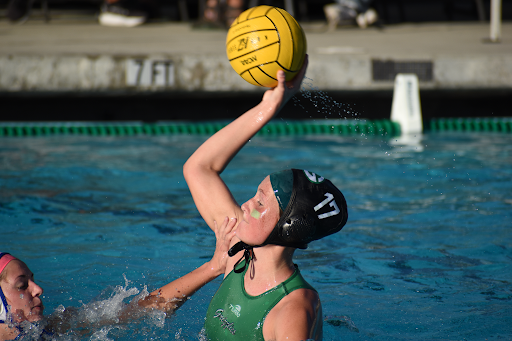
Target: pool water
{"type": "Point", "coordinates": [426, 253]}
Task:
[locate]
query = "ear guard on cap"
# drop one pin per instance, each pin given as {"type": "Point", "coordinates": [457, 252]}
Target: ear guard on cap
{"type": "Point", "coordinates": [316, 209]}
{"type": "Point", "coordinates": [293, 232]}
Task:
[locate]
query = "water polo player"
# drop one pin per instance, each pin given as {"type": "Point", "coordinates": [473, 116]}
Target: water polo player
{"type": "Point", "coordinates": [263, 296]}
{"type": "Point", "coordinates": [20, 296]}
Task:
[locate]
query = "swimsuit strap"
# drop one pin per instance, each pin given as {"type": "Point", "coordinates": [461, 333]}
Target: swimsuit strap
{"type": "Point", "coordinates": [3, 307]}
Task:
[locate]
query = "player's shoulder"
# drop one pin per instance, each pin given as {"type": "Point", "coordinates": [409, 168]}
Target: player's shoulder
{"type": "Point", "coordinates": [295, 317]}
{"type": "Point", "coordinates": [299, 300]}
{"type": "Point", "coordinates": [298, 308]}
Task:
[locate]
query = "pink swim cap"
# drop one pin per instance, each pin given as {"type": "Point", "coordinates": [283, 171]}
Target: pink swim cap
{"type": "Point", "coordinates": [5, 258]}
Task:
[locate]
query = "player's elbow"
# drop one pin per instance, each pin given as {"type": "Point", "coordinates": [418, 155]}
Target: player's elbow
{"type": "Point", "coordinates": [190, 170]}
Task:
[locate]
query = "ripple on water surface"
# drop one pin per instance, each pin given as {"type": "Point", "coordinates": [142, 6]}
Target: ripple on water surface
{"type": "Point", "coordinates": [425, 254]}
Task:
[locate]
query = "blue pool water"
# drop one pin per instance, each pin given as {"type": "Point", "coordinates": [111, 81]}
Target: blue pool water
{"type": "Point", "coordinates": [426, 254]}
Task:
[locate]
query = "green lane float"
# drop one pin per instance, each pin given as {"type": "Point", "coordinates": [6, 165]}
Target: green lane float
{"type": "Point", "coordinates": [486, 124]}
{"type": "Point", "coordinates": [278, 128]}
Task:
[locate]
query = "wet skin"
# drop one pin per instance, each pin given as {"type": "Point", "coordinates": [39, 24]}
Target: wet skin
{"type": "Point", "coordinates": [260, 215]}
{"type": "Point", "coordinates": [22, 293]}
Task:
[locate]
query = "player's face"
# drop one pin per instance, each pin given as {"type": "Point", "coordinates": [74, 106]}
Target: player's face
{"type": "Point", "coordinates": [260, 215]}
{"type": "Point", "coordinates": [22, 293]}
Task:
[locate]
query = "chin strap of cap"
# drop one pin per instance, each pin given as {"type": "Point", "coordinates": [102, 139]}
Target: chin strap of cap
{"type": "Point", "coordinates": [247, 255]}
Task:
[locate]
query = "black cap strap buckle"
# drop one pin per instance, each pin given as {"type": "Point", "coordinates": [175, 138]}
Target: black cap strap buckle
{"type": "Point", "coordinates": [247, 255]}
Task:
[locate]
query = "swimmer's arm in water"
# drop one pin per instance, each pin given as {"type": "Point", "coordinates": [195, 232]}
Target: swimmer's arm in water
{"type": "Point", "coordinates": [171, 296]}
{"type": "Point", "coordinates": [202, 170]}
{"type": "Point", "coordinates": [168, 298]}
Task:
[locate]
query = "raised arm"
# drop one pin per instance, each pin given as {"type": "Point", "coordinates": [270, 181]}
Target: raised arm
{"type": "Point", "coordinates": [202, 170]}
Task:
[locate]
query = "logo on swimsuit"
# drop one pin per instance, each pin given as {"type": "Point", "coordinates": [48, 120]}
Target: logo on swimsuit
{"type": "Point", "coordinates": [235, 309]}
{"type": "Point", "coordinates": [225, 323]}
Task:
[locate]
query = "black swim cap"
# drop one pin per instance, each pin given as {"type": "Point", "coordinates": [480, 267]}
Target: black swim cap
{"type": "Point", "coordinates": [312, 208]}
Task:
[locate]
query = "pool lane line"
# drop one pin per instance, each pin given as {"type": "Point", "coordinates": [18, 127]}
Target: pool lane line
{"type": "Point", "coordinates": [479, 124]}
{"type": "Point", "coordinates": [306, 127]}
{"type": "Point", "coordinates": [345, 127]}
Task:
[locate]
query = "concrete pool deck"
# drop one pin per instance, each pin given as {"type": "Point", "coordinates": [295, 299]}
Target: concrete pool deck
{"type": "Point", "coordinates": [67, 56]}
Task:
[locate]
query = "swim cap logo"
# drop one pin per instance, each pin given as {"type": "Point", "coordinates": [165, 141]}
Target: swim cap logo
{"type": "Point", "coordinates": [316, 179]}
{"type": "Point", "coordinates": [329, 200]}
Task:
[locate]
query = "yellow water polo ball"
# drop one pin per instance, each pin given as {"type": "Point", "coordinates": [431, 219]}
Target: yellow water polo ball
{"type": "Point", "coordinates": [263, 40]}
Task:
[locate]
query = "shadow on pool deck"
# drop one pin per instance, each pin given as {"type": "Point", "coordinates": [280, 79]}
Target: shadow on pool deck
{"type": "Point", "coordinates": [215, 106]}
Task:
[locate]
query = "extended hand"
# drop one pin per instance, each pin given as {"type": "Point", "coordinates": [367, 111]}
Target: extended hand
{"type": "Point", "coordinates": [223, 233]}
{"type": "Point", "coordinates": [172, 295]}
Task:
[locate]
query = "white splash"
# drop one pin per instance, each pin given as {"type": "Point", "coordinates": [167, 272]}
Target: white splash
{"type": "Point", "coordinates": [119, 314]}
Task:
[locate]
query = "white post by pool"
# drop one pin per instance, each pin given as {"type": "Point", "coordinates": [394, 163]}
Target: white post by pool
{"type": "Point", "coordinates": [406, 108]}
{"type": "Point", "coordinates": [495, 21]}
{"type": "Point", "coordinates": [288, 5]}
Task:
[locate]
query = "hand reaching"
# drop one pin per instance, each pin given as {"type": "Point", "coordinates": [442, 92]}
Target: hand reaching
{"type": "Point", "coordinates": [223, 233]}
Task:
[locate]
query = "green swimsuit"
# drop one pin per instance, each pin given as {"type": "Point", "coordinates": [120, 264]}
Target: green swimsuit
{"type": "Point", "coordinates": [233, 314]}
